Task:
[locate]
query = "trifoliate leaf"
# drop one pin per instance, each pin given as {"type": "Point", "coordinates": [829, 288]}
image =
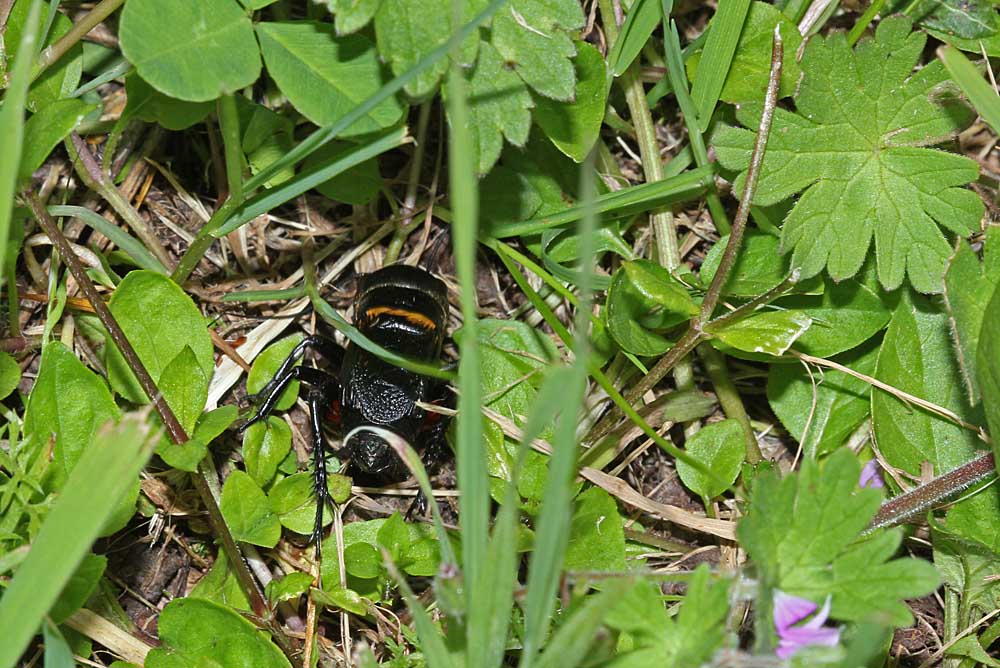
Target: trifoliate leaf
{"type": "Point", "coordinates": [532, 36]}
{"type": "Point", "coordinates": [499, 104]}
{"type": "Point", "coordinates": [801, 531]}
{"type": "Point", "coordinates": [857, 150]}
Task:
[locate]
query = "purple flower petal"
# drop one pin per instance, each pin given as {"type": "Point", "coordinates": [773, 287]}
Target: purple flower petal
{"type": "Point", "coordinates": [820, 618]}
{"type": "Point", "coordinates": [789, 610]}
{"type": "Point", "coordinates": [791, 644]}
{"type": "Point", "coordinates": [871, 475]}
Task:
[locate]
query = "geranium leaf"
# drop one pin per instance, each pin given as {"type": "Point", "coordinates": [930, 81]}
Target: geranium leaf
{"type": "Point", "coordinates": [532, 36]}
{"type": "Point", "coordinates": [857, 151]}
{"type": "Point", "coordinates": [499, 105]}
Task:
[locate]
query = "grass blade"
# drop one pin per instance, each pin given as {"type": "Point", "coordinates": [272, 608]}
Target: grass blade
{"type": "Point", "coordinates": [129, 244]}
{"type": "Point", "coordinates": [982, 95]}
{"type": "Point", "coordinates": [110, 465]}
{"type": "Point", "coordinates": [724, 33]}
{"type": "Point", "coordinates": [575, 637]}
{"type": "Point", "coordinates": [308, 179]}
{"type": "Point", "coordinates": [552, 535]}
{"type": "Point", "coordinates": [431, 639]}
{"type": "Point", "coordinates": [470, 465]}
{"type": "Point", "coordinates": [642, 197]}
{"type": "Point", "coordinates": [12, 122]}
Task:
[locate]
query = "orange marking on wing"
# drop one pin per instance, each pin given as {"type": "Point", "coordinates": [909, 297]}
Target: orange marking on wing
{"type": "Point", "coordinates": [418, 319]}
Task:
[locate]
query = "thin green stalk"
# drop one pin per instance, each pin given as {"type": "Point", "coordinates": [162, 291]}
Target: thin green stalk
{"type": "Point", "coordinates": [79, 30]}
{"type": "Point", "coordinates": [862, 23]}
{"type": "Point", "coordinates": [552, 535]}
{"type": "Point", "coordinates": [12, 124]}
{"type": "Point", "coordinates": [229, 127]}
{"type": "Point", "coordinates": [406, 225]}
{"type": "Point", "coordinates": [470, 464]}
{"type": "Point", "coordinates": [678, 80]}
{"type": "Point", "coordinates": [696, 331]}
{"type": "Point", "coordinates": [97, 180]}
{"type": "Point", "coordinates": [729, 398]}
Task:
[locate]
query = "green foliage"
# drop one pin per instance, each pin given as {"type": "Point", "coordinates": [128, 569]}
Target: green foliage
{"type": "Point", "coordinates": [596, 535]}
{"type": "Point", "coordinates": [54, 407]}
{"type": "Point", "coordinates": [801, 532]}
{"type": "Point", "coordinates": [62, 78]}
{"type": "Point", "coordinates": [358, 185]}
{"type": "Point", "coordinates": [293, 501]}
{"type": "Point", "coordinates": [653, 638]}
{"type": "Point", "coordinates": [414, 549]}
{"type": "Point", "coordinates": [717, 59]}
{"type": "Point", "coordinates": [165, 328]}
{"type": "Point", "coordinates": [514, 357]}
{"type": "Point", "coordinates": [325, 76]}
{"type": "Point", "coordinates": [221, 586]}
{"type": "Point", "coordinates": [47, 128]}
{"type": "Point", "coordinates": [721, 447]}
{"type": "Point", "coordinates": [247, 511]}
{"type": "Point", "coordinates": [822, 408]}
{"type": "Point", "coordinates": [265, 445]}
{"type": "Point", "coordinates": [289, 587]}
{"type": "Point", "coordinates": [862, 163]}
{"type": "Point", "coordinates": [968, 287]}
{"type": "Point", "coordinates": [575, 125]}
{"type": "Point", "coordinates": [758, 268]}
{"type": "Point", "coordinates": [532, 36]}
{"type": "Point", "coordinates": [111, 464]}
{"type": "Point", "coordinates": [644, 300]}
{"type": "Point", "coordinates": [10, 375]}
{"type": "Point", "coordinates": [981, 95]}
{"type": "Point", "coordinates": [967, 19]}
{"type": "Point", "coordinates": [769, 332]}
{"type": "Point", "coordinates": [209, 51]}
{"type": "Point", "coordinates": [748, 73]}
{"type": "Point", "coordinates": [641, 19]}
{"type": "Point", "coordinates": [152, 106]}
{"type": "Point", "coordinates": [406, 33]}
{"type": "Point", "coordinates": [844, 316]}
{"type": "Point", "coordinates": [917, 357]}
{"type": "Point", "coordinates": [502, 108]}
{"type": "Point", "coordinates": [191, 629]}
{"type": "Point", "coordinates": [988, 365]}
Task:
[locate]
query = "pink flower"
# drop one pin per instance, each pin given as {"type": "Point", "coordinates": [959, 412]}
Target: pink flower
{"type": "Point", "coordinates": [789, 611]}
{"type": "Point", "coordinates": [871, 475]}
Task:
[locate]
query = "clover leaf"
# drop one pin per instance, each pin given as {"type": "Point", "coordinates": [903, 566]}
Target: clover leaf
{"type": "Point", "coordinates": [857, 150]}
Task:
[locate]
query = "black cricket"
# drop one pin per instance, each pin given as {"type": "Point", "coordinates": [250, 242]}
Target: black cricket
{"type": "Point", "coordinates": [404, 309]}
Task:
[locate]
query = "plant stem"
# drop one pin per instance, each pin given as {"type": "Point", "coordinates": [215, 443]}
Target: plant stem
{"type": "Point", "coordinates": [921, 499]}
{"type": "Point", "coordinates": [54, 52]}
{"type": "Point", "coordinates": [94, 178]}
{"type": "Point", "coordinates": [229, 128]}
{"type": "Point", "coordinates": [729, 398]}
{"type": "Point", "coordinates": [175, 430]}
{"type": "Point", "coordinates": [412, 183]}
{"type": "Point", "coordinates": [202, 242]}
{"type": "Point", "coordinates": [697, 329]}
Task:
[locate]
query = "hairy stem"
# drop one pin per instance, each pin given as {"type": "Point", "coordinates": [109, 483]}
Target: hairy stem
{"type": "Point", "coordinates": [175, 430]}
{"type": "Point", "coordinates": [97, 180]}
{"type": "Point", "coordinates": [696, 331]}
{"type": "Point", "coordinates": [921, 499]}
